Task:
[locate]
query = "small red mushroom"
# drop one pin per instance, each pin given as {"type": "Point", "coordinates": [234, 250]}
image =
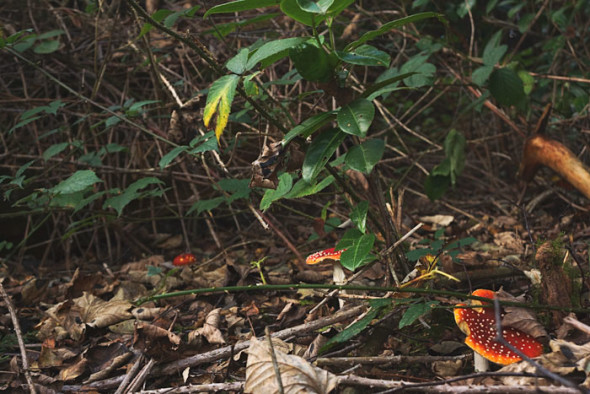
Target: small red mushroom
{"type": "Point", "coordinates": [328, 254]}
{"type": "Point", "coordinates": [184, 259]}
{"type": "Point", "coordinates": [479, 324]}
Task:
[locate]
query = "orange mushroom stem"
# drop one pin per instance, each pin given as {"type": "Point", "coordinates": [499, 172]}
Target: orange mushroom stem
{"type": "Point", "coordinates": [479, 324]}
{"type": "Point", "coordinates": [184, 259]}
{"type": "Point", "coordinates": [328, 254]}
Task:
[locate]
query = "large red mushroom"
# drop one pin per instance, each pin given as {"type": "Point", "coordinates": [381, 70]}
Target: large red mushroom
{"type": "Point", "coordinates": [479, 324]}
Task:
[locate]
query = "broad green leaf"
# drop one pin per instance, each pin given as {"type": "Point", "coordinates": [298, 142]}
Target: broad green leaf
{"type": "Point", "coordinates": [315, 7]}
{"type": "Point", "coordinates": [351, 236]}
{"type": "Point", "coordinates": [527, 80]}
{"type": "Point", "coordinates": [312, 63]}
{"type": "Point", "coordinates": [206, 205]}
{"type": "Point", "coordinates": [319, 152]}
{"type": "Point", "coordinates": [308, 126]}
{"type": "Point", "coordinates": [131, 193]}
{"type": "Point", "coordinates": [365, 55]}
{"type": "Point", "coordinates": [481, 74]}
{"type": "Point", "coordinates": [356, 255]}
{"type": "Point", "coordinates": [455, 150]}
{"type": "Point", "coordinates": [171, 19]}
{"type": "Point", "coordinates": [237, 188]}
{"type": "Point", "coordinates": [135, 108]}
{"type": "Point", "coordinates": [250, 86]}
{"type": "Point", "coordinates": [158, 16]}
{"type": "Point", "coordinates": [303, 188]}
{"type": "Point", "coordinates": [385, 83]}
{"type": "Point", "coordinates": [168, 157]}
{"type": "Point", "coordinates": [364, 157]}
{"type": "Point", "coordinates": [67, 200]}
{"type": "Point", "coordinates": [493, 51]}
{"type": "Point", "coordinates": [237, 64]}
{"type": "Point", "coordinates": [356, 118]}
{"type": "Point", "coordinates": [292, 9]}
{"type": "Point", "coordinates": [23, 123]}
{"type": "Point", "coordinates": [423, 72]}
{"type": "Point", "coordinates": [203, 143]}
{"type": "Point", "coordinates": [416, 311]}
{"type": "Point", "coordinates": [78, 181]}
{"type": "Point", "coordinates": [224, 29]}
{"type": "Point", "coordinates": [54, 150]}
{"type": "Point", "coordinates": [50, 34]}
{"type": "Point", "coordinates": [435, 186]}
{"type": "Point", "coordinates": [414, 255]}
{"type": "Point", "coordinates": [219, 99]}
{"type": "Point", "coordinates": [358, 215]}
{"type": "Point", "coordinates": [464, 7]}
{"type": "Point", "coordinates": [240, 5]}
{"type": "Point", "coordinates": [392, 25]}
{"type": "Point", "coordinates": [88, 200]}
{"type": "Point", "coordinates": [270, 195]}
{"type": "Point", "coordinates": [273, 49]}
{"type": "Point", "coordinates": [359, 326]}
{"type": "Point", "coordinates": [506, 87]}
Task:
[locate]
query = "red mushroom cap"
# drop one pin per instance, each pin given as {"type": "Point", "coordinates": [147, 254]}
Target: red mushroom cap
{"type": "Point", "coordinates": [184, 259]}
{"type": "Point", "coordinates": [480, 326]}
{"type": "Point", "coordinates": [322, 255]}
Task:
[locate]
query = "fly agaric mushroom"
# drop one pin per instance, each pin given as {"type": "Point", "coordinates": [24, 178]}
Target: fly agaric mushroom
{"type": "Point", "coordinates": [479, 324]}
{"type": "Point", "coordinates": [338, 274]}
{"type": "Point", "coordinates": [184, 259]}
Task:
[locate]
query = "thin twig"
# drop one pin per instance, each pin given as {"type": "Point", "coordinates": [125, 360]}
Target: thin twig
{"type": "Point", "coordinates": [19, 337]}
{"type": "Point", "coordinates": [275, 363]}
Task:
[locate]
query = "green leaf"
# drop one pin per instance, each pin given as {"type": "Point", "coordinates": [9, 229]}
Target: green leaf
{"type": "Point", "coordinates": [357, 327]}
{"type": "Point", "coordinates": [135, 108]}
{"type": "Point", "coordinates": [131, 193]}
{"type": "Point", "coordinates": [416, 311]}
{"type": "Point", "coordinates": [527, 80]}
{"type": "Point", "coordinates": [319, 152]}
{"type": "Point", "coordinates": [364, 157]}
{"type": "Point", "coordinates": [237, 64]}
{"type": "Point", "coordinates": [315, 7]}
{"type": "Point", "coordinates": [351, 236]}
{"type": "Point", "coordinates": [365, 55]}
{"type": "Point", "coordinates": [171, 19]}
{"type": "Point", "coordinates": [493, 51]}
{"type": "Point", "coordinates": [506, 87]}
{"type": "Point", "coordinates": [303, 188]}
{"type": "Point", "coordinates": [78, 181]}
{"type": "Point", "coordinates": [274, 49]}
{"type": "Point", "coordinates": [309, 125]}
{"type": "Point", "coordinates": [392, 25]}
{"type": "Point", "coordinates": [219, 99]}
{"type": "Point", "coordinates": [54, 150]}
{"type": "Point", "coordinates": [481, 74]}
{"type": "Point", "coordinates": [23, 123]}
{"type": "Point", "coordinates": [168, 157]}
{"type": "Point", "coordinates": [385, 83]}
{"type": "Point", "coordinates": [423, 72]}
{"type": "Point", "coordinates": [356, 255]}
{"type": "Point", "coordinates": [292, 9]}
{"type": "Point", "coordinates": [204, 143]}
{"type": "Point", "coordinates": [356, 118]}
{"type": "Point", "coordinates": [206, 205]}
{"type": "Point", "coordinates": [414, 255]}
{"type": "Point", "coordinates": [435, 186]}
{"type": "Point", "coordinates": [270, 195]}
{"type": "Point", "coordinates": [237, 188]}
{"type": "Point", "coordinates": [454, 146]}
{"type": "Point", "coordinates": [358, 215]}
{"type": "Point", "coordinates": [311, 62]}
{"type": "Point", "coordinates": [240, 5]}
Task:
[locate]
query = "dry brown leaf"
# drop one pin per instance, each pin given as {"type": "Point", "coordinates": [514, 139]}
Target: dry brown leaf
{"type": "Point", "coordinates": [74, 370]}
{"type": "Point", "coordinates": [510, 242]}
{"type": "Point", "coordinates": [522, 319]}
{"type": "Point", "coordinates": [297, 375]}
{"type": "Point", "coordinates": [210, 329]}
{"type": "Point", "coordinates": [98, 313]}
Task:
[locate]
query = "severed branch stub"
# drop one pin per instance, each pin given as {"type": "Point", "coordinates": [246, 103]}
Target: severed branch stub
{"type": "Point", "coordinates": [539, 150]}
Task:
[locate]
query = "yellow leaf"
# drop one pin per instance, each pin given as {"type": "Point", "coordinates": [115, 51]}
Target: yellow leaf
{"type": "Point", "coordinates": [219, 99]}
